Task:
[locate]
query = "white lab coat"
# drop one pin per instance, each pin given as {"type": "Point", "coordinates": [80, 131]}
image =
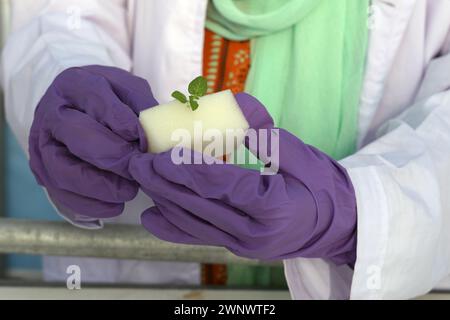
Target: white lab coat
{"type": "Point", "coordinates": [401, 174]}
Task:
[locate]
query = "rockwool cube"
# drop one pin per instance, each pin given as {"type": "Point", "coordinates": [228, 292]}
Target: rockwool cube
{"type": "Point", "coordinates": [217, 121]}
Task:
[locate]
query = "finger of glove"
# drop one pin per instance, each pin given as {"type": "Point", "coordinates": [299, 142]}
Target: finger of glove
{"type": "Point", "coordinates": [254, 111]}
{"type": "Point", "coordinates": [141, 170]}
{"type": "Point", "coordinates": [92, 142]}
{"type": "Point", "coordinates": [229, 220]}
{"type": "Point", "coordinates": [240, 188]}
{"type": "Point", "coordinates": [211, 235]}
{"type": "Point", "coordinates": [84, 205]}
{"type": "Point", "coordinates": [264, 136]}
{"type": "Point", "coordinates": [290, 156]}
{"type": "Point", "coordinates": [193, 225]}
{"type": "Point", "coordinates": [93, 95]}
{"type": "Point", "coordinates": [164, 222]}
{"type": "Point", "coordinates": [74, 175]}
{"type": "Point", "coordinates": [132, 90]}
{"type": "Point", "coordinates": [155, 223]}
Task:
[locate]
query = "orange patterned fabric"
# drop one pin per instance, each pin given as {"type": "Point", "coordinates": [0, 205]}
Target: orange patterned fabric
{"type": "Point", "coordinates": [225, 63]}
{"type": "Point", "coordinates": [225, 66]}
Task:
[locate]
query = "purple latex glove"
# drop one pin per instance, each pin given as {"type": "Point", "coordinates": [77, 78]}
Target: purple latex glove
{"type": "Point", "coordinates": [84, 132]}
{"type": "Point", "coordinates": [308, 209]}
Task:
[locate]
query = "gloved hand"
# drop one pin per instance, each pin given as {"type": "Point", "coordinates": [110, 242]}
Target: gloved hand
{"type": "Point", "coordinates": [84, 132]}
{"type": "Point", "coordinates": [308, 209]}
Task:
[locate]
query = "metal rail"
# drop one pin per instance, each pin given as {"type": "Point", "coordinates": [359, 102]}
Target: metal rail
{"type": "Point", "coordinates": [113, 241]}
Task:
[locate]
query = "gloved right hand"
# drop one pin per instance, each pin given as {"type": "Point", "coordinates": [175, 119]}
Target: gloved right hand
{"type": "Point", "coordinates": [84, 132]}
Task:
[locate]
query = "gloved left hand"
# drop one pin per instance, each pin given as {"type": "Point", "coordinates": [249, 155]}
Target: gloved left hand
{"type": "Point", "coordinates": [84, 132]}
{"type": "Point", "coordinates": [307, 209]}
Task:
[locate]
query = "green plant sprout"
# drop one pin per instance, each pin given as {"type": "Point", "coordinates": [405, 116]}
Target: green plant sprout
{"type": "Point", "coordinates": [197, 88]}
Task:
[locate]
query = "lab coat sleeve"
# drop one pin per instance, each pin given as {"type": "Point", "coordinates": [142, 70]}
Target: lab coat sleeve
{"type": "Point", "coordinates": [402, 184]}
{"type": "Point", "coordinates": [48, 36]}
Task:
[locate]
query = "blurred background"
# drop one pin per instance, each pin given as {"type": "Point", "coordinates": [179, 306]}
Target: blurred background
{"type": "Point", "coordinates": [17, 181]}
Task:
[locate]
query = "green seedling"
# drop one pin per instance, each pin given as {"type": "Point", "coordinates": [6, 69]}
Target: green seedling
{"type": "Point", "coordinates": [197, 88]}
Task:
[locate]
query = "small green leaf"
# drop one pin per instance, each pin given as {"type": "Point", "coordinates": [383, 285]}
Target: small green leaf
{"type": "Point", "coordinates": [193, 103]}
{"type": "Point", "coordinates": [198, 86]}
{"type": "Point", "coordinates": [179, 96]}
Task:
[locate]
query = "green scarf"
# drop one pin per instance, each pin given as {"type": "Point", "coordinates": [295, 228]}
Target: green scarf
{"type": "Point", "coordinates": [307, 66]}
{"type": "Point", "coordinates": [307, 63]}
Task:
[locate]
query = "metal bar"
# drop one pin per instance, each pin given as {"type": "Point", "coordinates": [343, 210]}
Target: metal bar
{"type": "Point", "coordinates": [113, 241]}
